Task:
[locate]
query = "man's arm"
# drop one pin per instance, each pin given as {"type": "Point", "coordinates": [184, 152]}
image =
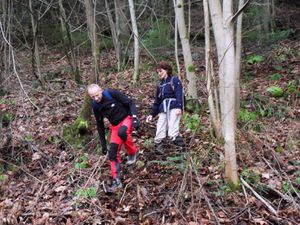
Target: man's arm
{"type": "Point", "coordinates": [101, 132]}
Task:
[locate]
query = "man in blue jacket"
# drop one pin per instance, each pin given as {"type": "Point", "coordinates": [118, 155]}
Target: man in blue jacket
{"type": "Point", "coordinates": [122, 114]}
{"type": "Point", "coordinates": [168, 104]}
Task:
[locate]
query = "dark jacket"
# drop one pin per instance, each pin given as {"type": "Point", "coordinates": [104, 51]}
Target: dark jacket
{"type": "Point", "coordinates": [171, 87]}
{"type": "Point", "coordinates": [114, 106]}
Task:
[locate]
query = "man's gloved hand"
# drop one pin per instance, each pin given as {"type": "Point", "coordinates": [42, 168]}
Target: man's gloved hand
{"type": "Point", "coordinates": [104, 150]}
{"type": "Point", "coordinates": [135, 122]}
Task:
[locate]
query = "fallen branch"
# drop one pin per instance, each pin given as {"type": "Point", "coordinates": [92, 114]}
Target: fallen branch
{"type": "Point", "coordinates": [3, 160]}
{"type": "Point", "coordinates": [204, 195]}
{"type": "Point", "coordinates": [267, 204]}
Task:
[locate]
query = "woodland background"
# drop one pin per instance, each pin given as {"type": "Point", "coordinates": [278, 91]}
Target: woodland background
{"type": "Point", "coordinates": [51, 167]}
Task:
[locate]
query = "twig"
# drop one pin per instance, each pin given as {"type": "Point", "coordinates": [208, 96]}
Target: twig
{"type": "Point", "coordinates": [126, 189]}
{"type": "Point", "coordinates": [269, 206]}
{"type": "Point", "coordinates": [92, 174]}
{"type": "Point", "coordinates": [14, 66]}
{"type": "Point", "coordinates": [3, 160]}
{"type": "Point", "coordinates": [204, 195]}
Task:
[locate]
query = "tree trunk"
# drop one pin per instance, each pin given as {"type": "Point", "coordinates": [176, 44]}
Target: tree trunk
{"type": "Point", "coordinates": [216, 19]}
{"type": "Point", "coordinates": [238, 60]}
{"type": "Point", "coordinates": [136, 41]}
{"type": "Point", "coordinates": [176, 48]}
{"type": "Point", "coordinates": [86, 109]}
{"type": "Point", "coordinates": [68, 43]}
{"type": "Point", "coordinates": [36, 65]}
{"type": "Point", "coordinates": [213, 100]}
{"type": "Point", "coordinates": [187, 55]}
{"type": "Point", "coordinates": [116, 41]}
{"type": "Point", "coordinates": [122, 29]}
{"type": "Point", "coordinates": [91, 22]}
{"type": "Point", "coordinates": [228, 120]}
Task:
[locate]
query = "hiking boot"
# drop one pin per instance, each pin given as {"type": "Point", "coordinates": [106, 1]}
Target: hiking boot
{"type": "Point", "coordinates": [115, 184]}
{"type": "Point", "coordinates": [159, 148]}
{"type": "Point", "coordinates": [131, 159]}
{"type": "Point", "coordinates": [179, 142]}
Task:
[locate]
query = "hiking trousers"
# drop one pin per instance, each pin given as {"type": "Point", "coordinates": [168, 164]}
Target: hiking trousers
{"type": "Point", "coordinates": [120, 134]}
{"type": "Point", "coordinates": [167, 125]}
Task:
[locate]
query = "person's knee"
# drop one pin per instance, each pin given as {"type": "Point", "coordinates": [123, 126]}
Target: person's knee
{"type": "Point", "coordinates": [122, 133]}
{"type": "Point", "coordinates": [113, 151]}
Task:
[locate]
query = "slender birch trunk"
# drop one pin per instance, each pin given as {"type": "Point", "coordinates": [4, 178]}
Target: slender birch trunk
{"type": "Point", "coordinates": [86, 109]}
{"type": "Point", "coordinates": [115, 40]}
{"type": "Point", "coordinates": [68, 43]}
{"type": "Point", "coordinates": [229, 91]}
{"type": "Point", "coordinates": [136, 41]}
{"type": "Point", "coordinates": [213, 99]}
{"type": "Point", "coordinates": [176, 48]}
{"type": "Point", "coordinates": [36, 65]}
{"type": "Point", "coordinates": [216, 19]}
{"type": "Point", "coordinates": [187, 55]}
{"type": "Point", "coordinates": [91, 22]}
{"type": "Point", "coordinates": [238, 60]}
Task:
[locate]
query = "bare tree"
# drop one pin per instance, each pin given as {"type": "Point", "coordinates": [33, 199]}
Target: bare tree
{"type": "Point", "coordinates": [188, 61]}
{"type": "Point", "coordinates": [90, 10]}
{"type": "Point", "coordinates": [68, 43]}
{"type": "Point", "coordinates": [229, 57]}
{"type": "Point", "coordinates": [36, 16]}
{"type": "Point", "coordinates": [136, 41]}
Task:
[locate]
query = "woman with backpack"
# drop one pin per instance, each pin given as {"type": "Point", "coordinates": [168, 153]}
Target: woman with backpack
{"type": "Point", "coordinates": [168, 104]}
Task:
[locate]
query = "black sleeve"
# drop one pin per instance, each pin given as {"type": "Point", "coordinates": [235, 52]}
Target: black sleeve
{"type": "Point", "coordinates": [100, 129]}
{"type": "Point", "coordinates": [124, 100]}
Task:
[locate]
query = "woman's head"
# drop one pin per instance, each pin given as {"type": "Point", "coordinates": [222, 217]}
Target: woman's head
{"type": "Point", "coordinates": [165, 66]}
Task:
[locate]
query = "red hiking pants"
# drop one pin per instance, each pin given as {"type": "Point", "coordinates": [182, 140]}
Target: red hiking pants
{"type": "Point", "coordinates": [120, 134]}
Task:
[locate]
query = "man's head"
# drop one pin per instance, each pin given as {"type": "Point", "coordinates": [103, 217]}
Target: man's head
{"type": "Point", "coordinates": [95, 92]}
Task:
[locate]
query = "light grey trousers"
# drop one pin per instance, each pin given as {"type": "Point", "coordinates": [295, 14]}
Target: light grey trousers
{"type": "Point", "coordinates": [166, 124]}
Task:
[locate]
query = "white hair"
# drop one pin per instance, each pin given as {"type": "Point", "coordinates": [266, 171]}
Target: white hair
{"type": "Point", "coordinates": [93, 87]}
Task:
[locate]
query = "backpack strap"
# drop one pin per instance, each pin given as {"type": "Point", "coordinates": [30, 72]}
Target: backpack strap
{"type": "Point", "coordinates": [107, 94]}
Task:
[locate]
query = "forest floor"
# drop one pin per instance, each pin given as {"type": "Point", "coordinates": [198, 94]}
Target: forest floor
{"type": "Point", "coordinates": [47, 180]}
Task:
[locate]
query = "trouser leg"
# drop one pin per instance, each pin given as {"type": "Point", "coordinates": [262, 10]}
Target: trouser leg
{"type": "Point", "coordinates": [161, 128]}
{"type": "Point", "coordinates": [173, 124]}
{"type": "Point", "coordinates": [114, 152]}
{"type": "Point", "coordinates": [173, 129]}
{"type": "Point", "coordinates": [125, 134]}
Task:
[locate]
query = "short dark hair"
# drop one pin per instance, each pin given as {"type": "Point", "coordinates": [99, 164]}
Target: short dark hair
{"type": "Point", "coordinates": [165, 66]}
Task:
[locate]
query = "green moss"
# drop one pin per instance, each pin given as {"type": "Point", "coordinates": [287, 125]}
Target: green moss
{"type": "Point", "coordinates": [76, 133]}
{"type": "Point", "coordinates": [191, 68]}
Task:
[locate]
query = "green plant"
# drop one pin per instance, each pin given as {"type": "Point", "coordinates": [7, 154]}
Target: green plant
{"type": "Point", "coordinates": [82, 163]}
{"type": "Point", "coordinates": [275, 91]}
{"type": "Point", "coordinates": [148, 143]}
{"type": "Point", "coordinates": [292, 86]}
{"type": "Point", "coordinates": [278, 67]}
{"type": "Point", "coordinates": [192, 122]}
{"type": "Point", "coordinates": [286, 186]}
{"type": "Point", "coordinates": [90, 192]}
{"type": "Point", "coordinates": [297, 177]}
{"type": "Point", "coordinates": [28, 138]}
{"type": "Point", "coordinates": [250, 176]}
{"type": "Point", "coordinates": [246, 116]}
{"type": "Point", "coordinates": [275, 76]}
{"type": "Point", "coordinates": [251, 59]}
{"type": "Point", "coordinates": [8, 117]}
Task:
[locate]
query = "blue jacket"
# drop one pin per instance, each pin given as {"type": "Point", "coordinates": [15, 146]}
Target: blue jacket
{"type": "Point", "coordinates": [171, 87]}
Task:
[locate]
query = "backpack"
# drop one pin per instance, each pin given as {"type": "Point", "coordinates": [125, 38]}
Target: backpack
{"type": "Point", "coordinates": [183, 95]}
